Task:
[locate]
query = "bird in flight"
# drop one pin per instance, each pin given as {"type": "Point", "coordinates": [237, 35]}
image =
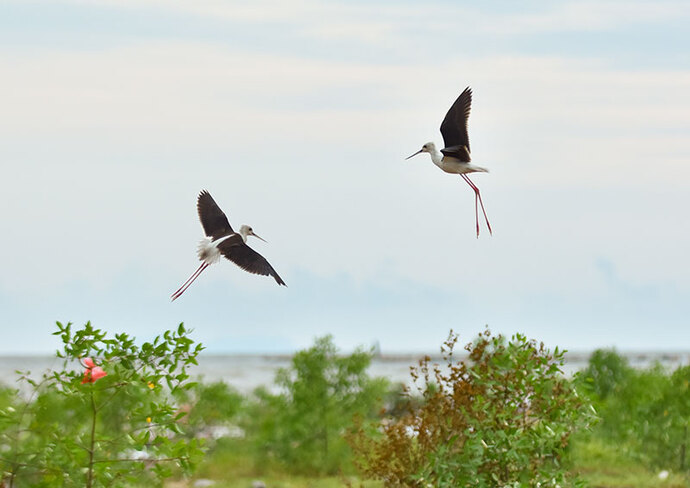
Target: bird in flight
{"type": "Point", "coordinates": [455, 157]}
{"type": "Point", "coordinates": [222, 240]}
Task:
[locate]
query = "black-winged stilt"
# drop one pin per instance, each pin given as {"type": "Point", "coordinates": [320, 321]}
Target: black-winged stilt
{"type": "Point", "coordinates": [455, 157]}
{"type": "Point", "coordinates": [222, 240]}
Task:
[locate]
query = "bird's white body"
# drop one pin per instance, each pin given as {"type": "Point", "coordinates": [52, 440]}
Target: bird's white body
{"type": "Point", "coordinates": [450, 164]}
{"type": "Point", "coordinates": [208, 251]}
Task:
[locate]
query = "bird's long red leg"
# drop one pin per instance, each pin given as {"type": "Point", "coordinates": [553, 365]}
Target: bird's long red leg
{"type": "Point", "coordinates": [198, 270]}
{"type": "Point", "coordinates": [476, 213]}
{"type": "Point", "coordinates": [478, 195]}
{"type": "Point", "coordinates": [189, 281]}
{"type": "Point", "coordinates": [476, 206]}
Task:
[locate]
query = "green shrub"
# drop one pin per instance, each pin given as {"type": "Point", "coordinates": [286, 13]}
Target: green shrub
{"type": "Point", "coordinates": [606, 372]}
{"type": "Point", "coordinates": [647, 417]}
{"type": "Point", "coordinates": [210, 404]}
{"type": "Point", "coordinates": [82, 428]}
{"type": "Point", "coordinates": [302, 426]}
{"type": "Point", "coordinates": [501, 418]}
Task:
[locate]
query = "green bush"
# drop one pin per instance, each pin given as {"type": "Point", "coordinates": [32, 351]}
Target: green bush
{"type": "Point", "coordinates": [645, 413]}
{"type": "Point", "coordinates": [302, 426]}
{"type": "Point", "coordinates": [111, 422]}
{"type": "Point", "coordinates": [501, 418]}
{"type": "Point", "coordinates": [606, 372]}
{"type": "Point", "coordinates": [210, 404]}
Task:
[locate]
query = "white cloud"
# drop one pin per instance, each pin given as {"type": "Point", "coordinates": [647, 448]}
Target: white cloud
{"type": "Point", "coordinates": [588, 16]}
{"type": "Point", "coordinates": [194, 115]}
{"type": "Point", "coordinates": [255, 11]}
{"type": "Point", "coordinates": [540, 109]}
{"type": "Point", "coordinates": [355, 21]}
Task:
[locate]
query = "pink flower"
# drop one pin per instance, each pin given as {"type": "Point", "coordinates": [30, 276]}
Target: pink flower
{"type": "Point", "coordinates": [93, 373]}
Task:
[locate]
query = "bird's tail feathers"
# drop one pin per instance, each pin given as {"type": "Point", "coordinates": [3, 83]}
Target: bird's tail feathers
{"type": "Point", "coordinates": [478, 169]}
{"type": "Point", "coordinates": [207, 250]}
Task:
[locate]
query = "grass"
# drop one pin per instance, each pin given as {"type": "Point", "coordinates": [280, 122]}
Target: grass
{"type": "Point", "coordinates": [606, 466]}
{"type": "Point", "coordinates": [231, 465]}
{"type": "Point", "coordinates": [600, 465]}
{"type": "Point", "coordinates": [287, 482]}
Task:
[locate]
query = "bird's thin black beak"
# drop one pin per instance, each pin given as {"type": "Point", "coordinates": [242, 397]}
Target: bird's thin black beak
{"type": "Point", "coordinates": [259, 237]}
{"type": "Point", "coordinates": [408, 157]}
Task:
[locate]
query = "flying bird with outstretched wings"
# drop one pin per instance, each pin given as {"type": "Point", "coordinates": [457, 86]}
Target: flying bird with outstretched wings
{"type": "Point", "coordinates": [455, 157]}
{"type": "Point", "coordinates": [222, 240]}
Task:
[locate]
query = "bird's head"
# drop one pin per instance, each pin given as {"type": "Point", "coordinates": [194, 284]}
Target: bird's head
{"type": "Point", "coordinates": [246, 231]}
{"type": "Point", "coordinates": [429, 147]}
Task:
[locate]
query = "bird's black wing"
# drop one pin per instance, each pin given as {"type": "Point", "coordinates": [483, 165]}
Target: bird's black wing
{"type": "Point", "coordinates": [212, 218]}
{"type": "Point", "coordinates": [454, 125]}
{"type": "Point", "coordinates": [458, 152]}
{"type": "Point", "coordinates": [249, 260]}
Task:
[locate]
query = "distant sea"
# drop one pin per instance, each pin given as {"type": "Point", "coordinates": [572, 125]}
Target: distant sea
{"type": "Point", "coordinates": [245, 372]}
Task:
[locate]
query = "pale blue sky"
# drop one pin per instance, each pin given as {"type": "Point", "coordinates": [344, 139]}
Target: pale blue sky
{"type": "Point", "coordinates": [296, 116]}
